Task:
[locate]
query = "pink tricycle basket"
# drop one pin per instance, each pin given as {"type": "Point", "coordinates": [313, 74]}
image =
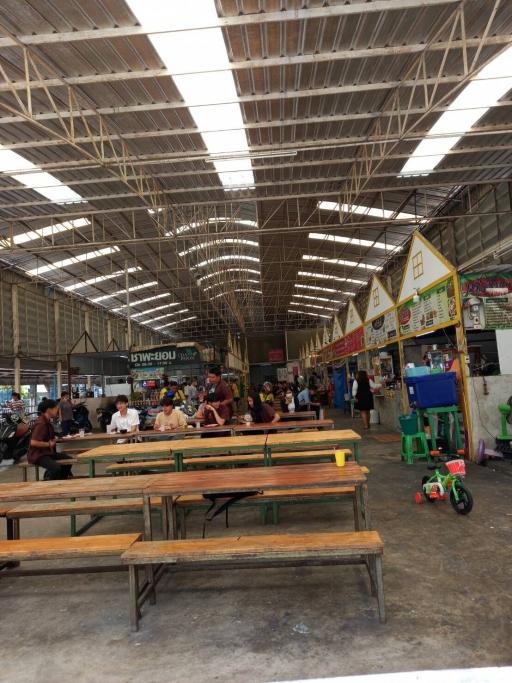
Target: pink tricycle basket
{"type": "Point", "coordinates": [456, 466]}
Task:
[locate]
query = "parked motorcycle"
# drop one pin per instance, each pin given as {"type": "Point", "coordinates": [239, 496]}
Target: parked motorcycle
{"type": "Point", "coordinates": [14, 437]}
{"type": "Point", "coordinates": [81, 417]}
{"type": "Point", "coordinates": [104, 416]}
{"type": "Point", "coordinates": [147, 417]}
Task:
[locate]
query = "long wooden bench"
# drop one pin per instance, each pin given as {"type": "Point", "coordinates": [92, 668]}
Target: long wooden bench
{"type": "Point", "coordinates": [26, 466]}
{"type": "Point", "coordinates": [363, 547]}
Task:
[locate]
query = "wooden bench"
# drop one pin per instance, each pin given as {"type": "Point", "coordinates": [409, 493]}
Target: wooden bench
{"type": "Point", "coordinates": [134, 467]}
{"type": "Point", "coordinates": [362, 547]}
{"type": "Point", "coordinates": [26, 466]}
{"type": "Point", "coordinates": [98, 508]}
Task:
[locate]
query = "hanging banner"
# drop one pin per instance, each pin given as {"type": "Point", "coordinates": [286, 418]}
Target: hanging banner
{"type": "Point", "coordinates": [381, 330]}
{"type": "Point", "coordinates": [435, 308]}
{"type": "Point", "coordinates": [487, 300]}
{"type": "Point", "coordinates": [148, 373]}
{"type": "Point", "coordinates": [351, 343]}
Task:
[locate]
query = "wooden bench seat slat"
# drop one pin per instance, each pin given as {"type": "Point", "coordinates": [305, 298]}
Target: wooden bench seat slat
{"type": "Point", "coordinates": [64, 461]}
{"type": "Point", "coordinates": [79, 507]}
{"type": "Point", "coordinates": [139, 465]}
{"type": "Point", "coordinates": [66, 547]}
{"type": "Point", "coordinates": [184, 501]}
{"type": "Point", "coordinates": [337, 544]}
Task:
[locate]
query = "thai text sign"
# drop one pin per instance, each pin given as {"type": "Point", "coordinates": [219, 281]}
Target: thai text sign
{"type": "Point", "coordinates": [436, 307]}
{"type": "Point", "coordinates": [164, 356]}
{"type": "Point", "coordinates": [486, 300]}
{"type": "Point", "coordinates": [381, 330]}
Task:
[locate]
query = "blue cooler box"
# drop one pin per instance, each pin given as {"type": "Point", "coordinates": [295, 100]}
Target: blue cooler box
{"type": "Point", "coordinates": [432, 391]}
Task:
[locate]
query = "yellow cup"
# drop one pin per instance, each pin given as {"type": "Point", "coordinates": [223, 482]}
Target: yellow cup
{"type": "Point", "coordinates": [340, 458]}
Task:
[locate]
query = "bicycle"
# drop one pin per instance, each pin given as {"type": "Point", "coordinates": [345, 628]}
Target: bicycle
{"type": "Point", "coordinates": [440, 485]}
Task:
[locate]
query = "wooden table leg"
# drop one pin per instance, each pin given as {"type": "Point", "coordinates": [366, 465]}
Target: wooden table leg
{"type": "Point", "coordinates": [134, 597]}
{"type": "Point", "coordinates": [365, 508]}
{"type": "Point", "coordinates": [146, 508]}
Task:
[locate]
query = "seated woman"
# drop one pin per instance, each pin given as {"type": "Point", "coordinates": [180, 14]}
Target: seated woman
{"type": "Point", "coordinates": [259, 411]}
{"type": "Point", "coordinates": [266, 394]}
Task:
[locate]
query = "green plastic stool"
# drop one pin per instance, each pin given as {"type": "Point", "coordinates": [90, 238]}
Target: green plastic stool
{"type": "Point", "coordinates": [505, 410]}
{"type": "Point", "coordinates": [414, 446]}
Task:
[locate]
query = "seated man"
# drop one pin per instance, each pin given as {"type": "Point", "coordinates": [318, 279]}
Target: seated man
{"type": "Point", "coordinates": [169, 418]}
{"type": "Point", "coordinates": [41, 450]}
{"type": "Point", "coordinates": [126, 419]}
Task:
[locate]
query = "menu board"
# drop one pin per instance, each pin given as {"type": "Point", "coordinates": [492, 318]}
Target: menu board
{"type": "Point", "coordinates": [381, 330]}
{"type": "Point", "coordinates": [436, 307]}
{"type": "Point", "coordinates": [486, 300]}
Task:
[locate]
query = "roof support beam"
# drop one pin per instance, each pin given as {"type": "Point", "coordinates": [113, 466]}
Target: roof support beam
{"type": "Point", "coordinates": [262, 63]}
{"type": "Point", "coordinates": [225, 22]}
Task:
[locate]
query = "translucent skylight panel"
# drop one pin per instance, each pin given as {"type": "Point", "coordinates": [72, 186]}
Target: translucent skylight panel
{"type": "Point", "coordinates": [190, 52]}
{"type": "Point", "coordinates": [327, 290]}
{"type": "Point", "coordinates": [101, 278]}
{"type": "Point", "coordinates": [373, 211]}
{"type": "Point", "coordinates": [228, 270]}
{"type": "Point", "coordinates": [352, 240]}
{"type": "Point", "coordinates": [79, 258]}
{"type": "Point", "coordinates": [139, 302]}
{"type": "Point", "coordinates": [47, 231]}
{"type": "Point", "coordinates": [484, 91]}
{"type": "Point", "coordinates": [122, 292]}
{"type": "Point", "coordinates": [152, 310]}
{"type": "Point", "coordinates": [226, 240]}
{"type": "Point", "coordinates": [176, 322]}
{"type": "Point", "coordinates": [44, 183]}
{"type": "Point", "coordinates": [227, 284]}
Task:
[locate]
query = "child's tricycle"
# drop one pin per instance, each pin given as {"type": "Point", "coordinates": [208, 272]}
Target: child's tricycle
{"type": "Point", "coordinates": [440, 485]}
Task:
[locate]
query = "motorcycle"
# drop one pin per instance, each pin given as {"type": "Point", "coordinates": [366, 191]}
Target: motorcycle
{"type": "Point", "coordinates": [81, 417]}
{"type": "Point", "coordinates": [104, 416]}
{"type": "Point", "coordinates": [14, 437]}
{"type": "Point", "coordinates": [147, 417]}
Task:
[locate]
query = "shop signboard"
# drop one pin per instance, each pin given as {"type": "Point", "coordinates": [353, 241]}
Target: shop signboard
{"type": "Point", "coordinates": [436, 307]}
{"type": "Point", "coordinates": [351, 343]}
{"type": "Point", "coordinates": [164, 356]}
{"type": "Point", "coordinates": [147, 373]}
{"type": "Point", "coordinates": [487, 300]}
{"type": "Point", "coordinates": [381, 330]}
{"type": "Point", "coordinates": [275, 356]}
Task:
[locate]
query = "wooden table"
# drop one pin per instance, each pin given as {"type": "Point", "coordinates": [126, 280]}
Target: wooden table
{"type": "Point", "coordinates": [299, 415]}
{"type": "Point", "coordinates": [254, 443]}
{"type": "Point", "coordinates": [284, 426]}
{"type": "Point", "coordinates": [173, 484]}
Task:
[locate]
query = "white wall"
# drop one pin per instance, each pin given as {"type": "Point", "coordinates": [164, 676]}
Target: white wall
{"type": "Point", "coordinates": [504, 342]}
{"type": "Point", "coordinates": [485, 416]}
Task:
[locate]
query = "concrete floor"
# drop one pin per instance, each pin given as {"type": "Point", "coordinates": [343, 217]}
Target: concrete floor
{"type": "Point", "coordinates": [448, 584]}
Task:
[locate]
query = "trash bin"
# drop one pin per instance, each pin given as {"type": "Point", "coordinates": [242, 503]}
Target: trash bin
{"type": "Point", "coordinates": [409, 423]}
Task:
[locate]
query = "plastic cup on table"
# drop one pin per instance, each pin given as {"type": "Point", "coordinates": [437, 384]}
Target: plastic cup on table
{"type": "Point", "coordinates": [340, 458]}
{"type": "Point", "coordinates": [81, 433]}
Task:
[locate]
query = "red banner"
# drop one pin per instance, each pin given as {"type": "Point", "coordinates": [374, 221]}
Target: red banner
{"type": "Point", "coordinates": [276, 356]}
{"type": "Point", "coordinates": [352, 343]}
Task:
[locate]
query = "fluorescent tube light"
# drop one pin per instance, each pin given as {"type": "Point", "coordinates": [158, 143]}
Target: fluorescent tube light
{"type": "Point", "coordinates": [340, 262]}
{"type": "Point", "coordinates": [79, 258]}
{"type": "Point", "coordinates": [486, 89]}
{"type": "Point", "coordinates": [227, 257]}
{"type": "Point", "coordinates": [189, 52]}
{"type": "Point", "coordinates": [47, 231]}
{"type": "Point", "coordinates": [314, 315]}
{"type": "Point", "coordinates": [353, 240]}
{"type": "Point", "coordinates": [100, 278]}
{"type": "Point", "coordinates": [121, 292]}
{"type": "Point", "coordinates": [325, 276]}
{"type": "Point", "coordinates": [139, 302]}
{"type": "Point", "coordinates": [317, 298]}
{"type": "Point", "coordinates": [226, 240]}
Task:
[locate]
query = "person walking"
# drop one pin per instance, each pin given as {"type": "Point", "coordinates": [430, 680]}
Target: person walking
{"type": "Point", "coordinates": [65, 413]}
{"type": "Point", "coordinates": [362, 390]}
